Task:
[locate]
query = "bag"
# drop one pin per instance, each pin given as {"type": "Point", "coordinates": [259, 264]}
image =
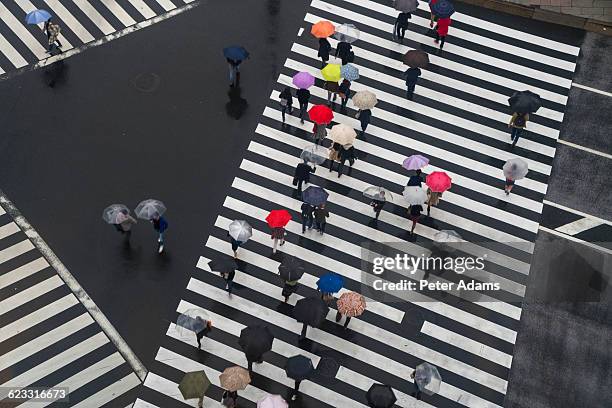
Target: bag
{"type": "Point", "coordinates": [295, 181]}
{"type": "Point", "coordinates": [520, 121]}
{"type": "Point", "coordinates": [333, 155]}
{"type": "Point", "coordinates": [283, 102]}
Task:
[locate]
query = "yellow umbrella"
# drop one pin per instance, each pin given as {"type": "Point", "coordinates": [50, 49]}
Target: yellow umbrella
{"type": "Point", "coordinates": [331, 72]}
{"type": "Point", "coordinates": [322, 29]}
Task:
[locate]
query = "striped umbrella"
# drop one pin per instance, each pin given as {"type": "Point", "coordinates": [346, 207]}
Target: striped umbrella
{"type": "Point", "coordinates": [349, 72]}
{"type": "Point", "coordinates": [351, 304]}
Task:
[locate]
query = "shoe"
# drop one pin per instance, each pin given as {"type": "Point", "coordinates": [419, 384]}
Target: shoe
{"type": "Point", "coordinates": [293, 397]}
{"type": "Point", "coordinates": [282, 243]}
{"type": "Point", "coordinates": [160, 249]}
{"type": "Point", "coordinates": [436, 41]}
{"type": "Point", "coordinates": [339, 174]}
{"type": "Point", "coordinates": [507, 193]}
{"type": "Point", "coordinates": [431, 23]}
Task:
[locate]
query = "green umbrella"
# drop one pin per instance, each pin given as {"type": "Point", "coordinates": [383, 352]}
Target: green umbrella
{"type": "Point", "coordinates": [194, 384]}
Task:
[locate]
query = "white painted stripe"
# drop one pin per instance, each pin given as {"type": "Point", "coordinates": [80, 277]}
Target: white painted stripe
{"type": "Point", "coordinates": [570, 238]}
{"type": "Point", "coordinates": [22, 272]}
{"type": "Point", "coordinates": [52, 336]}
{"type": "Point", "coordinates": [467, 344]}
{"type": "Point", "coordinates": [15, 250]}
{"type": "Point", "coordinates": [57, 362]}
{"type": "Point", "coordinates": [336, 343]}
{"type": "Point", "coordinates": [37, 317]}
{"type": "Point", "coordinates": [21, 32]}
{"type": "Point", "coordinates": [109, 393]}
{"type": "Point", "coordinates": [457, 67]}
{"type": "Point", "coordinates": [578, 226]}
{"type": "Point", "coordinates": [119, 12]}
{"type": "Point", "coordinates": [166, 4]}
{"type": "Point", "coordinates": [144, 404]}
{"type": "Point", "coordinates": [27, 6]}
{"type": "Point", "coordinates": [170, 389]}
{"type": "Point", "coordinates": [73, 24]}
{"type": "Point", "coordinates": [588, 88]}
{"type": "Point", "coordinates": [474, 38]}
{"type": "Point", "coordinates": [8, 230]}
{"type": "Point", "coordinates": [1, 71]}
{"type": "Point", "coordinates": [29, 294]}
{"type": "Point", "coordinates": [2, 212]}
{"type": "Point", "coordinates": [7, 49]}
{"type": "Point", "coordinates": [449, 47]}
{"type": "Point", "coordinates": [95, 17]}
{"type": "Point", "coordinates": [300, 31]}
{"type": "Point", "coordinates": [577, 212]}
{"type": "Point", "coordinates": [142, 8]}
{"type": "Point", "coordinates": [586, 149]}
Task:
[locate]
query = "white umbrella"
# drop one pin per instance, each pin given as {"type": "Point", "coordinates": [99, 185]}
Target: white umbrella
{"type": "Point", "coordinates": [272, 401]}
{"type": "Point", "coordinates": [150, 208]}
{"type": "Point", "coordinates": [240, 230]}
{"type": "Point", "coordinates": [342, 134]}
{"type": "Point", "coordinates": [364, 100]}
{"type": "Point", "coordinates": [415, 195]}
{"type": "Point", "coordinates": [115, 213]}
{"type": "Point", "coordinates": [515, 169]}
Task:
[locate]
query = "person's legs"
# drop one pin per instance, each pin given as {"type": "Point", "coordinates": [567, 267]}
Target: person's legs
{"type": "Point", "coordinates": [377, 212]}
{"type": "Point", "coordinates": [428, 209]}
{"type": "Point", "coordinates": [299, 187]}
{"type": "Point", "coordinates": [323, 227]}
{"type": "Point", "coordinates": [443, 38]}
{"type": "Point", "coordinates": [329, 97]}
{"type": "Point", "coordinates": [517, 135]}
{"type": "Point", "coordinates": [414, 223]}
{"type": "Point", "coordinates": [310, 222]}
{"type": "Point", "coordinates": [341, 167]}
{"type": "Point", "coordinates": [437, 37]}
{"type": "Point", "coordinates": [231, 74]}
{"type": "Point", "coordinates": [338, 316]}
{"type": "Point", "coordinates": [304, 222]}
{"type": "Point", "coordinates": [283, 109]}
{"type": "Point", "coordinates": [274, 245]}
{"type": "Point", "coordinates": [304, 328]}
{"type": "Point", "coordinates": [410, 90]}
{"type": "Point", "coordinates": [303, 107]}
{"type": "Point", "coordinates": [348, 319]}
{"type": "Point", "coordinates": [401, 33]}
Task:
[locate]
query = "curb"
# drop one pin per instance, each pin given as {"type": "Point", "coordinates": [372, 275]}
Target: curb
{"type": "Point", "coordinates": [536, 13]}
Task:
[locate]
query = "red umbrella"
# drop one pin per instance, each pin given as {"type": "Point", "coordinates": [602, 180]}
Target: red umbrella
{"type": "Point", "coordinates": [321, 114]}
{"type": "Point", "coordinates": [278, 218]}
{"type": "Point", "coordinates": [438, 181]}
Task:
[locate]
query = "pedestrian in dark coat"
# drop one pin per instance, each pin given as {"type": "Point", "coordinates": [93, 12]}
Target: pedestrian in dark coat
{"type": "Point", "coordinates": [307, 216]}
{"type": "Point", "coordinates": [235, 245]}
{"type": "Point", "coordinates": [303, 96]}
{"type": "Point", "coordinates": [401, 25]}
{"type": "Point", "coordinates": [229, 399]}
{"type": "Point", "coordinates": [160, 225]}
{"type": "Point", "coordinates": [364, 118]}
{"type": "Point", "coordinates": [286, 102]}
{"type": "Point", "coordinates": [324, 50]}
{"type": "Point", "coordinates": [412, 76]}
{"type": "Point", "coordinates": [345, 92]}
{"type": "Point", "coordinates": [417, 391]}
{"type": "Point", "coordinates": [518, 122]}
{"type": "Point", "coordinates": [321, 214]}
{"type": "Point", "coordinates": [345, 153]}
{"type": "Point", "coordinates": [415, 180]}
{"type": "Point", "coordinates": [251, 358]}
{"type": "Point", "coordinates": [319, 133]}
{"type": "Point", "coordinates": [234, 71]}
{"type": "Point", "coordinates": [204, 332]}
{"type": "Point", "coordinates": [302, 175]}
{"type": "Point", "coordinates": [414, 213]}
{"type": "Point", "coordinates": [442, 30]}
{"type": "Point", "coordinates": [343, 50]}
{"type": "Point", "coordinates": [296, 389]}
{"type": "Point", "coordinates": [229, 280]}
{"type": "Point", "coordinates": [289, 288]}
{"type": "Point", "coordinates": [332, 88]}
{"type": "Point", "coordinates": [377, 205]}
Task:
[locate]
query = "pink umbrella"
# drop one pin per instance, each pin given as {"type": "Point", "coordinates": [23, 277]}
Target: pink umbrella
{"type": "Point", "coordinates": [415, 162]}
{"type": "Point", "coordinates": [438, 181]}
{"type": "Point", "coordinates": [303, 80]}
{"type": "Point", "coordinates": [272, 401]}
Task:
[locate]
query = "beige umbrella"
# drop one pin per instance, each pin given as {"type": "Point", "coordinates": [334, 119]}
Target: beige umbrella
{"type": "Point", "coordinates": [234, 378]}
{"type": "Point", "coordinates": [343, 134]}
{"type": "Point", "coordinates": [351, 304]}
{"type": "Point", "coordinates": [364, 100]}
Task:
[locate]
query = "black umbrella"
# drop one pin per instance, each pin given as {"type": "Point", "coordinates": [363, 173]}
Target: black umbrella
{"type": "Point", "coordinates": [255, 340]}
{"type": "Point", "coordinates": [291, 269]}
{"type": "Point", "coordinates": [380, 396]}
{"type": "Point", "coordinates": [299, 367]}
{"type": "Point", "coordinates": [224, 265]}
{"type": "Point", "coordinates": [525, 102]}
{"type": "Point", "coordinates": [311, 311]}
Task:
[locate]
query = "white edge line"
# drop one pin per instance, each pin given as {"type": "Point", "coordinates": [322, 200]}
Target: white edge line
{"type": "Point", "coordinates": [588, 88]}
{"type": "Point", "coordinates": [586, 149]}
{"type": "Point", "coordinates": [75, 287]}
{"type": "Point", "coordinates": [570, 238]}
{"type": "Point", "coordinates": [552, 204]}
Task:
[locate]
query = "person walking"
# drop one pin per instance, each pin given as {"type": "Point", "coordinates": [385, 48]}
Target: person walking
{"type": "Point", "coordinates": [508, 186]}
{"type": "Point", "coordinates": [125, 222]}
{"type": "Point", "coordinates": [345, 92]}
{"type": "Point", "coordinates": [324, 49]}
{"type": "Point", "coordinates": [229, 399]}
{"type": "Point", "coordinates": [296, 389]}
{"type": "Point", "coordinates": [278, 234]}
{"type": "Point", "coordinates": [303, 96]}
{"type": "Point", "coordinates": [332, 89]}
{"type": "Point", "coordinates": [400, 27]}
{"type": "Point", "coordinates": [346, 152]}
{"type": "Point", "coordinates": [414, 213]}
{"type": "Point", "coordinates": [229, 280]}
{"type": "Point", "coordinates": [377, 205]}
{"type": "Point", "coordinates": [53, 31]}
{"type": "Point", "coordinates": [364, 117]}
{"type": "Point", "coordinates": [286, 102]}
{"type": "Point", "coordinates": [321, 214]}
{"type": "Point", "coordinates": [234, 72]}
{"type": "Point", "coordinates": [204, 332]}
{"type": "Point", "coordinates": [235, 245]}
{"type": "Point", "coordinates": [307, 216]}
{"type": "Point", "coordinates": [302, 175]}
{"type": "Point", "coordinates": [433, 198]}
{"type": "Point", "coordinates": [289, 288]}
{"type": "Point", "coordinates": [415, 180]}
{"type": "Point", "coordinates": [160, 225]}
{"type": "Point", "coordinates": [518, 122]}
{"type": "Point", "coordinates": [339, 317]}
{"type": "Point", "coordinates": [319, 133]}
{"type": "Point", "coordinates": [412, 76]}
{"type": "Point", "coordinates": [417, 390]}
{"type": "Point", "coordinates": [442, 30]}
{"type": "Point", "coordinates": [343, 50]}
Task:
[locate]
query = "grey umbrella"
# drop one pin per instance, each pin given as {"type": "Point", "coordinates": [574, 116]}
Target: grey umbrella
{"type": "Point", "coordinates": [525, 102]}
{"type": "Point", "coordinates": [406, 6]}
{"type": "Point", "coordinates": [150, 208]}
{"type": "Point", "coordinates": [515, 169]}
{"type": "Point", "coordinates": [428, 378]}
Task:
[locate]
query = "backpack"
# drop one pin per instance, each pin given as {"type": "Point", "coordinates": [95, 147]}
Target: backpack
{"type": "Point", "coordinates": [519, 121]}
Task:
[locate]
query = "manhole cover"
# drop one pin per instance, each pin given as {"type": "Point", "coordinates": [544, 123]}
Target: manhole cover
{"type": "Point", "coordinates": [146, 82]}
{"type": "Point", "coordinates": [328, 367]}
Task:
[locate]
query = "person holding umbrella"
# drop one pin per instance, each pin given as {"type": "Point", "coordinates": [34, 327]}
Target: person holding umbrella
{"type": "Point", "coordinates": [437, 183]}
{"type": "Point", "coordinates": [343, 50]}
{"type": "Point", "coordinates": [514, 169]}
{"type": "Point", "coordinates": [321, 115]}
{"type": "Point", "coordinates": [303, 96]}
{"type": "Point", "coordinates": [315, 196]}
{"type": "Point", "coordinates": [522, 103]}
{"type": "Point", "coordinates": [400, 27]}
{"type": "Point", "coordinates": [298, 368]}
{"type": "Point", "coordinates": [415, 180]}
{"type": "Point", "coordinates": [206, 329]}
{"type": "Point", "coordinates": [346, 34]}
{"type": "Point", "coordinates": [380, 396]}
{"type": "Point", "coordinates": [255, 341]}
{"type": "Point", "coordinates": [303, 81]}
{"type": "Point", "coordinates": [322, 30]}
{"type": "Point", "coordinates": [152, 210]}
{"type": "Point", "coordinates": [412, 76]}
{"type": "Point", "coordinates": [350, 304]}
{"type": "Point", "coordinates": [331, 73]}
{"type": "Point", "coordinates": [415, 59]}
{"type": "Point", "coordinates": [324, 50]}
{"type": "Point", "coordinates": [53, 31]}
{"type": "Point", "coordinates": [234, 56]}
{"type": "Point", "coordinates": [227, 269]}
{"type": "Point", "coordinates": [329, 284]}
{"type": "Point", "coordinates": [415, 196]}
{"type": "Point", "coordinates": [364, 116]}
{"type": "Point", "coordinates": [290, 271]}
{"type": "Point", "coordinates": [415, 162]}
{"type": "Point", "coordinates": [231, 380]}
{"type": "Point", "coordinates": [302, 175]}
{"type": "Point", "coordinates": [286, 102]}
{"type": "Point", "coordinates": [277, 220]}
{"type": "Point", "coordinates": [345, 152]}
{"type": "Point", "coordinates": [364, 100]}
{"type": "Point", "coordinates": [426, 378]}
{"type": "Point", "coordinates": [332, 89]}
{"type": "Point", "coordinates": [442, 30]}
{"type": "Point", "coordinates": [310, 311]}
{"type": "Point", "coordinates": [239, 231]}
{"type": "Point", "coordinates": [320, 215]}
{"type": "Point", "coordinates": [345, 92]}
{"type": "Point", "coordinates": [194, 385]}
{"type": "Point", "coordinates": [119, 216]}
{"type": "Point", "coordinates": [379, 197]}
{"type": "Point", "coordinates": [433, 198]}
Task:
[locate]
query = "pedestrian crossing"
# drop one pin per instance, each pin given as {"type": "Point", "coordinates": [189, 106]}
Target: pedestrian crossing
{"type": "Point", "coordinates": [82, 22]}
{"type": "Point", "coordinates": [47, 337]}
{"type": "Point", "coordinates": [458, 118]}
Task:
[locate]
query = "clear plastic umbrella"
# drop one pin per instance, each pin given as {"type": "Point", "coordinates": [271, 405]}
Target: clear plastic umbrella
{"type": "Point", "coordinates": [315, 154]}
{"type": "Point", "coordinates": [115, 213]}
{"type": "Point", "coordinates": [364, 100]}
{"type": "Point", "coordinates": [378, 193]}
{"type": "Point", "coordinates": [191, 321]}
{"type": "Point", "coordinates": [347, 33]}
{"type": "Point", "coordinates": [150, 208]}
{"type": "Point", "coordinates": [447, 236]}
{"type": "Point", "coordinates": [415, 195]}
{"type": "Point", "coordinates": [240, 230]}
{"type": "Point", "coordinates": [515, 169]}
{"type": "Point", "coordinates": [428, 378]}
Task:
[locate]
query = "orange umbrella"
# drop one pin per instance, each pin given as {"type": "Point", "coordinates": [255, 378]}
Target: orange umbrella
{"type": "Point", "coordinates": [322, 29]}
{"type": "Point", "coordinates": [351, 304]}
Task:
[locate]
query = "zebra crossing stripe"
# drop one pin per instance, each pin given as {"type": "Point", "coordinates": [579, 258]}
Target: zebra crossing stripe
{"type": "Point", "coordinates": [95, 17]}
{"type": "Point", "coordinates": [119, 12]}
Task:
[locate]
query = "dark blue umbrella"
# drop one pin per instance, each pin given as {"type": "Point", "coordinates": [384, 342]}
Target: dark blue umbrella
{"type": "Point", "coordinates": [315, 196]}
{"type": "Point", "coordinates": [443, 8]}
{"type": "Point", "coordinates": [236, 53]}
{"type": "Point", "coordinates": [330, 283]}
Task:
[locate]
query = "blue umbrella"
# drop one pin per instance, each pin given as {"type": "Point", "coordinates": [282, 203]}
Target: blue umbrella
{"type": "Point", "coordinates": [315, 195]}
{"type": "Point", "coordinates": [330, 283]}
{"type": "Point", "coordinates": [443, 8]}
{"type": "Point", "coordinates": [236, 53]}
{"type": "Point", "coordinates": [37, 16]}
{"type": "Point", "coordinates": [349, 72]}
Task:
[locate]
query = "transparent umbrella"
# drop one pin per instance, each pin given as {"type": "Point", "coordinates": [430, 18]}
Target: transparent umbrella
{"type": "Point", "coordinates": [191, 321]}
{"type": "Point", "coordinates": [240, 230]}
{"type": "Point", "coordinates": [315, 154]}
{"type": "Point", "coordinates": [415, 195]}
{"type": "Point", "coordinates": [428, 378]}
{"type": "Point", "coordinates": [378, 193]}
{"type": "Point", "coordinates": [150, 208]}
{"type": "Point", "coordinates": [515, 169]}
{"type": "Point", "coordinates": [115, 213]}
{"type": "Point", "coordinates": [347, 33]}
{"type": "Point", "coordinates": [445, 239]}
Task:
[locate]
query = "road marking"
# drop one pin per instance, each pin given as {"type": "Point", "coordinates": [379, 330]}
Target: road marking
{"type": "Point", "coordinates": [578, 226]}
{"type": "Point", "coordinates": [109, 393]}
{"type": "Point", "coordinates": [552, 204]}
{"type": "Point", "coordinates": [95, 17]}
{"type": "Point", "coordinates": [588, 88]}
{"type": "Point", "coordinates": [119, 12]}
{"type": "Point", "coordinates": [30, 293]}
{"type": "Point", "coordinates": [586, 149]}
{"type": "Point", "coordinates": [570, 238]}
{"type": "Point", "coordinates": [142, 8]}
{"type": "Point", "coordinates": [76, 288]}
{"type": "Point", "coordinates": [8, 230]}
{"type": "Point", "coordinates": [22, 272]}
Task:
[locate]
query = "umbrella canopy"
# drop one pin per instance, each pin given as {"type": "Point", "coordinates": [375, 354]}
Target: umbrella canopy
{"type": "Point", "coordinates": [351, 304]}
{"type": "Point", "coordinates": [321, 114]}
{"type": "Point", "coordinates": [240, 230]}
{"type": "Point", "coordinates": [255, 340]}
{"type": "Point", "coordinates": [315, 195]}
{"type": "Point", "coordinates": [416, 59]}
{"type": "Point", "coordinates": [192, 320]}
{"type": "Point", "coordinates": [415, 162]}
{"type": "Point", "coordinates": [303, 80]}
{"type": "Point", "coordinates": [380, 396]}
{"type": "Point", "coordinates": [515, 169]}
{"type": "Point", "coordinates": [223, 265]}
{"type": "Point", "coordinates": [525, 102]}
{"type": "Point", "coordinates": [311, 310]}
{"type": "Point", "coordinates": [443, 9]}
{"type": "Point", "coordinates": [278, 218]}
{"type": "Point", "coordinates": [37, 16]}
{"type": "Point", "coordinates": [299, 367]}
{"type": "Point", "coordinates": [378, 193]}
{"type": "Point", "coordinates": [349, 72]}
{"type": "Point", "coordinates": [272, 401]}
{"type": "Point", "coordinates": [291, 269]}
{"type": "Point", "coordinates": [194, 384]}
{"type": "Point", "coordinates": [406, 6]}
{"type": "Point", "coordinates": [343, 134]}
{"type": "Point", "coordinates": [347, 33]}
{"type": "Point", "coordinates": [115, 213]}
{"type": "Point", "coordinates": [447, 236]}
{"type": "Point", "coordinates": [364, 100]}
{"type": "Point", "coordinates": [322, 29]}
{"type": "Point", "coordinates": [331, 72]}
{"type": "Point", "coordinates": [150, 208]}
{"type": "Point", "coordinates": [415, 195]}
{"type": "Point", "coordinates": [438, 181]}
{"type": "Point", "coordinates": [428, 378]}
{"type": "Point", "coordinates": [330, 283]}
{"type": "Point", "coordinates": [234, 378]}
{"type": "Point", "coordinates": [235, 52]}
{"type": "Point", "coordinates": [316, 154]}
